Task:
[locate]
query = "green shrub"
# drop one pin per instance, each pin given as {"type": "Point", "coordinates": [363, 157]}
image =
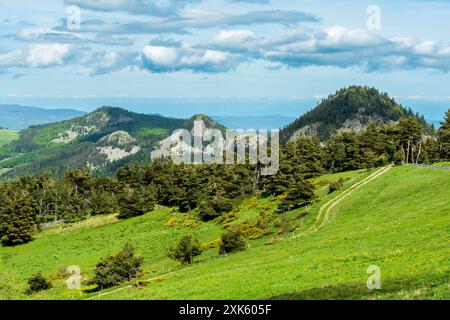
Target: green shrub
{"type": "Point", "coordinates": [336, 185]}
{"type": "Point", "coordinates": [285, 225]}
{"type": "Point", "coordinates": [207, 211]}
{"type": "Point", "coordinates": [380, 161]}
{"type": "Point", "coordinates": [117, 269]}
{"type": "Point", "coordinates": [37, 283]}
{"type": "Point", "coordinates": [399, 157]}
{"type": "Point", "coordinates": [232, 241]}
{"type": "Point", "coordinates": [210, 209]}
{"type": "Point", "coordinates": [256, 228]}
{"type": "Point", "coordinates": [186, 249]}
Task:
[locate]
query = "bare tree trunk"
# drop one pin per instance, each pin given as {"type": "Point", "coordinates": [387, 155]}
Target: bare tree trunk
{"type": "Point", "coordinates": [420, 150]}
{"type": "Point", "coordinates": [407, 151]}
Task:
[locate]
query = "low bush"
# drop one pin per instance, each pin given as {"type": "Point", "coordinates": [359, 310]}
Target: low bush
{"type": "Point", "coordinates": [336, 185]}
{"type": "Point", "coordinates": [232, 241]}
{"type": "Point", "coordinates": [186, 249]}
{"type": "Point", "coordinates": [37, 282]}
{"type": "Point", "coordinates": [210, 209]}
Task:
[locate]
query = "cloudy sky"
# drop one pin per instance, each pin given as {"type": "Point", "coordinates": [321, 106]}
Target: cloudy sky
{"type": "Point", "coordinates": [278, 49]}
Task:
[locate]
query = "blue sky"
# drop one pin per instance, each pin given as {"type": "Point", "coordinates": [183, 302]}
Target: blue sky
{"type": "Point", "coordinates": [211, 49]}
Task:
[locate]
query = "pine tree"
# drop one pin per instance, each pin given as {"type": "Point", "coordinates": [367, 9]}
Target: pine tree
{"type": "Point", "coordinates": [135, 201]}
{"type": "Point", "coordinates": [186, 249]}
{"type": "Point", "coordinates": [410, 136]}
{"type": "Point", "coordinates": [444, 138]}
{"type": "Point", "coordinates": [299, 194]}
{"type": "Point", "coordinates": [102, 202]}
{"type": "Point", "coordinates": [345, 152]}
{"type": "Point", "coordinates": [17, 219]}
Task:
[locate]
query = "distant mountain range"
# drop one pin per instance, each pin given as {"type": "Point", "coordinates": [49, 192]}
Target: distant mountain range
{"type": "Point", "coordinates": [19, 117]}
{"type": "Point", "coordinates": [108, 138]}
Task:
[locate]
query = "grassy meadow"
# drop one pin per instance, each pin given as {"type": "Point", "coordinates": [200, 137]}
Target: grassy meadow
{"type": "Point", "coordinates": [399, 222]}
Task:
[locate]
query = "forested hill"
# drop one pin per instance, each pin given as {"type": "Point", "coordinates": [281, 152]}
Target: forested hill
{"type": "Point", "coordinates": [349, 108]}
{"type": "Point", "coordinates": [103, 140]}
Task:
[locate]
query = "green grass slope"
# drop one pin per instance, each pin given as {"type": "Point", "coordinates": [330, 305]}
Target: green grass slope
{"type": "Point", "coordinates": [399, 222]}
{"type": "Point", "coordinates": [6, 136]}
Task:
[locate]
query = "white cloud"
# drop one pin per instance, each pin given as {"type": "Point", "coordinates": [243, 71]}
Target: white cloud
{"type": "Point", "coordinates": [235, 36]}
{"type": "Point", "coordinates": [162, 59]}
{"type": "Point", "coordinates": [37, 56]}
{"type": "Point", "coordinates": [335, 46]}
{"type": "Point", "coordinates": [44, 55]}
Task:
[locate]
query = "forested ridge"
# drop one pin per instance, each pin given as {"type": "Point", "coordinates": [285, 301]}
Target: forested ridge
{"type": "Point", "coordinates": [76, 143]}
{"type": "Point", "coordinates": [350, 107]}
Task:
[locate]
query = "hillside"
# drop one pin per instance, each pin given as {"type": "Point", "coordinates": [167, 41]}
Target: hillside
{"type": "Point", "coordinates": [19, 117]}
{"type": "Point", "coordinates": [405, 234]}
{"type": "Point", "coordinates": [349, 108]}
{"type": "Point", "coordinates": [103, 140]}
{"type": "Point", "coordinates": [7, 136]}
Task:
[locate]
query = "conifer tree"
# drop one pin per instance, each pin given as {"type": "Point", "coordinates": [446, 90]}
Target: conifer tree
{"type": "Point", "coordinates": [444, 137]}
{"type": "Point", "coordinates": [186, 249]}
{"type": "Point", "coordinates": [410, 136]}
{"type": "Point", "coordinates": [135, 201]}
{"type": "Point", "coordinates": [299, 194]}
{"type": "Point", "coordinates": [17, 220]}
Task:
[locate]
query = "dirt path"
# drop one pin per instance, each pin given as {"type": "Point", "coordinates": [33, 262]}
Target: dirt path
{"type": "Point", "coordinates": [133, 284]}
{"type": "Point", "coordinates": [326, 210]}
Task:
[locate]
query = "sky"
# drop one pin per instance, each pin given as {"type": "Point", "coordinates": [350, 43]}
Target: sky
{"type": "Point", "coordinates": [85, 53]}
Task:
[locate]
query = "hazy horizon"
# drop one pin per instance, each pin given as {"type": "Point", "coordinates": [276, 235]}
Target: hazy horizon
{"type": "Point", "coordinates": [433, 110]}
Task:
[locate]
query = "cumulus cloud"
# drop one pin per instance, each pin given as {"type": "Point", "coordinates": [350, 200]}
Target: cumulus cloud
{"type": "Point", "coordinates": [44, 55]}
{"type": "Point", "coordinates": [37, 56]}
{"type": "Point", "coordinates": [100, 62]}
{"type": "Point", "coordinates": [163, 59]}
{"type": "Point", "coordinates": [335, 46]}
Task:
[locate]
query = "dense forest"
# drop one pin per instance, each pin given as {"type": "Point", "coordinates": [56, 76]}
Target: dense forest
{"type": "Point", "coordinates": [211, 191]}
